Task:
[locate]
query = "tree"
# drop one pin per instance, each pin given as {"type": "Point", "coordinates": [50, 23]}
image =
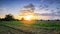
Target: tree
{"type": "Point", "coordinates": [57, 20]}
{"type": "Point", "coordinates": [0, 19]}
{"type": "Point", "coordinates": [22, 19]}
{"type": "Point", "coordinates": [9, 17]}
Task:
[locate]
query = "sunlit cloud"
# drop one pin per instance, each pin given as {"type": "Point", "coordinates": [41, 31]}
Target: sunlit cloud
{"type": "Point", "coordinates": [48, 8]}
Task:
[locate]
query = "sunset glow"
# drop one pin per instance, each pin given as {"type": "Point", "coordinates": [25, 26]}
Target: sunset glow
{"type": "Point", "coordinates": [28, 17]}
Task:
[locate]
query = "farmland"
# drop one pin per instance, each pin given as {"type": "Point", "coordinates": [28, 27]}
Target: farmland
{"type": "Point", "coordinates": [39, 27]}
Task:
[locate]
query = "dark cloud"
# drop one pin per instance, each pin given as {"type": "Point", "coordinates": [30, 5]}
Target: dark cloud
{"type": "Point", "coordinates": [49, 14]}
{"type": "Point", "coordinates": [50, 5]}
{"type": "Point", "coordinates": [52, 1]}
{"type": "Point", "coordinates": [30, 6]}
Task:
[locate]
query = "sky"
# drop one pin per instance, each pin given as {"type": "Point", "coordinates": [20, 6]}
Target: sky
{"type": "Point", "coordinates": [48, 8]}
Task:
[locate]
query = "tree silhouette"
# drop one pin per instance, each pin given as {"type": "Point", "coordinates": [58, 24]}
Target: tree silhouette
{"type": "Point", "coordinates": [22, 19]}
{"type": "Point", "coordinates": [0, 19]}
{"type": "Point", "coordinates": [9, 17]}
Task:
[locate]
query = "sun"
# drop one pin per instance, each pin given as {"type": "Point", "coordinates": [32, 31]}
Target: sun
{"type": "Point", "coordinates": [28, 17]}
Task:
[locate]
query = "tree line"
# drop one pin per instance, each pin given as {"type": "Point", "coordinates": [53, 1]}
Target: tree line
{"type": "Point", "coordinates": [8, 17]}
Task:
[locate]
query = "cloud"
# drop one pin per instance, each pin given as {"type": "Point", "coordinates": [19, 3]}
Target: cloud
{"type": "Point", "coordinates": [51, 1]}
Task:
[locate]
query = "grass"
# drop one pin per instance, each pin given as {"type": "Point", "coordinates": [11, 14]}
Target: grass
{"type": "Point", "coordinates": [47, 23]}
{"type": "Point", "coordinates": [12, 23]}
{"type": "Point", "coordinates": [33, 27]}
{"type": "Point", "coordinates": [38, 23]}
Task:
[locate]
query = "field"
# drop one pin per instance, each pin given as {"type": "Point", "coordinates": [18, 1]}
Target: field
{"type": "Point", "coordinates": [39, 27]}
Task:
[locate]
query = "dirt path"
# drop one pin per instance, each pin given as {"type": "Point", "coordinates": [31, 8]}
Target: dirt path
{"type": "Point", "coordinates": [11, 30]}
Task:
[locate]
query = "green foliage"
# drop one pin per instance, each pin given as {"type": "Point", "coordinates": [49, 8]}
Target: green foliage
{"type": "Point", "coordinates": [47, 23]}
{"type": "Point", "coordinates": [11, 23]}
